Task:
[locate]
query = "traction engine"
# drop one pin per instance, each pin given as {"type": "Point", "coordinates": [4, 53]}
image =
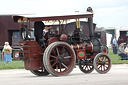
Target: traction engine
{"type": "Point", "coordinates": [58, 54]}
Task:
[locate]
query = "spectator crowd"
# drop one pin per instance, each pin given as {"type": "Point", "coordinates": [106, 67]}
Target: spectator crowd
{"type": "Point", "coordinates": [120, 49]}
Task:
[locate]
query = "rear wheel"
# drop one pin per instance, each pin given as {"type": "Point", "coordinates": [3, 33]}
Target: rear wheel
{"type": "Point", "coordinates": [102, 63]}
{"type": "Point", "coordinates": [59, 58]}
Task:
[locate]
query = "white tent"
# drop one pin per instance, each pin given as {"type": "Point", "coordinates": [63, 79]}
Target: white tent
{"type": "Point", "coordinates": [108, 37]}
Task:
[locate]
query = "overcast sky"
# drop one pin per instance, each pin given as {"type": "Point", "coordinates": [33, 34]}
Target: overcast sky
{"type": "Point", "coordinates": [107, 13]}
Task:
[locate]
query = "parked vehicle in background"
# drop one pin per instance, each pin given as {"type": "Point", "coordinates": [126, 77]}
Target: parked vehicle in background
{"type": "Point", "coordinates": [123, 38]}
{"type": "Point", "coordinates": [9, 31]}
{"type": "Point", "coordinates": [121, 33]}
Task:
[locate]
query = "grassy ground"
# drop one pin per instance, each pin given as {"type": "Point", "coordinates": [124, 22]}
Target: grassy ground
{"type": "Point", "coordinates": [20, 64]}
{"type": "Point", "coordinates": [116, 59]}
{"type": "Point", "coordinates": [12, 65]}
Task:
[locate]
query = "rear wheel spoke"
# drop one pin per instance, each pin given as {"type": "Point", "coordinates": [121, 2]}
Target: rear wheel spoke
{"type": "Point", "coordinates": [54, 52]}
{"type": "Point", "coordinates": [57, 51]}
{"type": "Point", "coordinates": [61, 49]}
{"type": "Point", "coordinates": [52, 60]}
{"type": "Point", "coordinates": [67, 57]}
{"type": "Point", "coordinates": [57, 67]}
{"type": "Point", "coordinates": [66, 61]}
{"type": "Point", "coordinates": [64, 53]}
{"type": "Point", "coordinates": [54, 64]}
{"type": "Point", "coordinates": [60, 66]}
{"type": "Point", "coordinates": [53, 56]}
{"type": "Point", "coordinates": [64, 65]}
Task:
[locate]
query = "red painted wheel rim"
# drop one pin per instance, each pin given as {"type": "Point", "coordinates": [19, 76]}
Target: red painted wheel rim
{"type": "Point", "coordinates": [103, 63]}
{"type": "Point", "coordinates": [61, 59]}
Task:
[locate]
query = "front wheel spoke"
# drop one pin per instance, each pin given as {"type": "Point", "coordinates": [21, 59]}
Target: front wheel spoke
{"type": "Point", "coordinates": [103, 69]}
{"type": "Point", "coordinates": [64, 65]}
{"type": "Point", "coordinates": [106, 63]}
{"type": "Point", "coordinates": [86, 68]}
{"type": "Point", "coordinates": [106, 60]}
{"type": "Point", "coordinates": [103, 58]}
{"type": "Point", "coordinates": [89, 67]}
{"type": "Point", "coordinates": [99, 59]}
{"type": "Point", "coordinates": [99, 63]}
{"type": "Point", "coordinates": [106, 67]}
{"type": "Point", "coordinates": [99, 66]}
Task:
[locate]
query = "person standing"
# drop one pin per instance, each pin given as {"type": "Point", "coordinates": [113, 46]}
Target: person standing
{"type": "Point", "coordinates": [115, 45]}
{"type": "Point", "coordinates": [7, 53]}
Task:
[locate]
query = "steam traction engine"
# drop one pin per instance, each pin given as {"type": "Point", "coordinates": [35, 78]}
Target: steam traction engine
{"type": "Point", "coordinates": [58, 54]}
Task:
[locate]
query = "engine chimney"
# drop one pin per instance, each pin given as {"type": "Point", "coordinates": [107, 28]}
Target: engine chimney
{"type": "Point", "coordinates": [90, 24]}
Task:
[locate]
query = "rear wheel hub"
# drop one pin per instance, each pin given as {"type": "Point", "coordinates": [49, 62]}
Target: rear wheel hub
{"type": "Point", "coordinates": [60, 59]}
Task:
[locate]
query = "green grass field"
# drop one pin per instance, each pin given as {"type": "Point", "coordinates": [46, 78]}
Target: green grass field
{"type": "Point", "coordinates": [20, 64]}
{"type": "Point", "coordinates": [12, 65]}
{"type": "Point", "coordinates": [116, 59]}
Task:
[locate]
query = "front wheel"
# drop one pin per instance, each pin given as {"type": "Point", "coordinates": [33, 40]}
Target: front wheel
{"type": "Point", "coordinates": [59, 58]}
{"type": "Point", "coordinates": [86, 66]}
{"type": "Point", "coordinates": [102, 63]}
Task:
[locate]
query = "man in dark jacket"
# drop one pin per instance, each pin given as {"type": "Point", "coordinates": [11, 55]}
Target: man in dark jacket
{"type": "Point", "coordinates": [115, 45]}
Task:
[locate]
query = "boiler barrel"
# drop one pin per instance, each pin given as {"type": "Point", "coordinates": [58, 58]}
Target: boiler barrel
{"type": "Point", "coordinates": [87, 46]}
